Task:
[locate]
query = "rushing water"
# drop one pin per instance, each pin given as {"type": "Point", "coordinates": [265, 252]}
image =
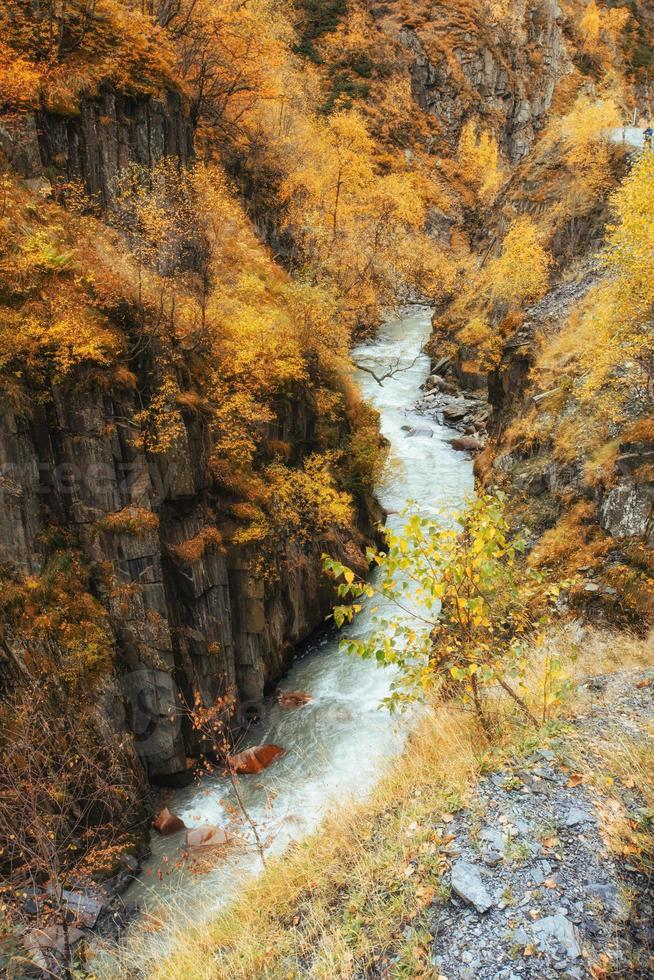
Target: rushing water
{"type": "Point", "coordinates": [336, 745]}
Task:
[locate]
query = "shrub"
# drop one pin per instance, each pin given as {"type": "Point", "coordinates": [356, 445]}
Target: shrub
{"type": "Point", "coordinates": [461, 604]}
{"type": "Point", "coordinates": [137, 521]}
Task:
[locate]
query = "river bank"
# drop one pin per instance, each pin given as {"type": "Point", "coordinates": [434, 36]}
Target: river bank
{"type": "Point", "coordinates": [337, 745]}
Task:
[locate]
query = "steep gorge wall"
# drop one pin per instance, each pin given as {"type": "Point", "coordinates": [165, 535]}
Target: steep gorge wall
{"type": "Point", "coordinates": [195, 621]}
{"type": "Point", "coordinates": [189, 618]}
{"type": "Point", "coordinates": [110, 132]}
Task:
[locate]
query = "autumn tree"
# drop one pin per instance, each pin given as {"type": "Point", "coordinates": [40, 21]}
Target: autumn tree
{"type": "Point", "coordinates": [478, 157]}
{"type": "Point", "coordinates": [619, 311]}
{"type": "Point", "coordinates": [455, 606]}
{"type": "Point", "coordinates": [64, 811]}
{"type": "Point", "coordinates": [521, 272]}
{"type": "Point", "coordinates": [602, 361]}
{"type": "Point", "coordinates": [601, 29]}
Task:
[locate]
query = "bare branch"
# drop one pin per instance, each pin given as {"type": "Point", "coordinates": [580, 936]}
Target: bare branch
{"type": "Point", "coordinates": [394, 369]}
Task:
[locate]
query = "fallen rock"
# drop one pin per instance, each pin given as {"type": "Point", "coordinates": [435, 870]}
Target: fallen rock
{"type": "Point", "coordinates": [456, 409]}
{"type": "Point", "coordinates": [51, 937]}
{"type": "Point", "coordinates": [467, 884]}
{"type": "Point", "coordinates": [556, 931]}
{"type": "Point", "coordinates": [441, 366]}
{"type": "Point", "coordinates": [168, 823]}
{"type": "Point", "coordinates": [292, 699]}
{"type": "Point", "coordinates": [438, 383]}
{"type": "Point", "coordinates": [467, 444]}
{"type": "Point", "coordinates": [532, 483]}
{"type": "Point", "coordinates": [206, 836]}
{"type": "Point", "coordinates": [84, 907]}
{"type": "Point", "coordinates": [493, 846]}
{"type": "Point", "coordinates": [255, 759]}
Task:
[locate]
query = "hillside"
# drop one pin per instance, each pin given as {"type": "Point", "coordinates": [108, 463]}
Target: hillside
{"type": "Point", "coordinates": [205, 207]}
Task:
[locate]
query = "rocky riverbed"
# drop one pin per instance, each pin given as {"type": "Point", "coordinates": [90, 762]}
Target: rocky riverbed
{"type": "Point", "coordinates": [446, 404]}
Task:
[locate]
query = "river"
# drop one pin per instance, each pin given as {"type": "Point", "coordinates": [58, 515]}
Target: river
{"type": "Point", "coordinates": [336, 745]}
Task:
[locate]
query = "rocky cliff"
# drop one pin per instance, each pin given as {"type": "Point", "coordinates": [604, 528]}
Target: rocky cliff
{"type": "Point", "coordinates": [111, 131]}
{"type": "Point", "coordinates": [189, 618]}
{"type": "Point", "coordinates": [462, 61]}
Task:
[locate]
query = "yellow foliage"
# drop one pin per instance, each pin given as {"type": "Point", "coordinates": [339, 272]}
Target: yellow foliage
{"type": "Point", "coordinates": [194, 548]}
{"type": "Point", "coordinates": [479, 162]}
{"type": "Point", "coordinates": [478, 334]}
{"type": "Point", "coordinates": [585, 133]}
{"type": "Point", "coordinates": [137, 521]}
{"type": "Point", "coordinates": [521, 273]}
{"type": "Point", "coordinates": [55, 616]}
{"type": "Point", "coordinates": [67, 50]}
{"type": "Point", "coordinates": [50, 319]}
{"type": "Point", "coordinates": [604, 358]}
{"type": "Point", "coordinates": [601, 28]}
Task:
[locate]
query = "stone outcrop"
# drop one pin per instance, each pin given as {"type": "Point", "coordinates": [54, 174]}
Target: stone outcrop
{"type": "Point", "coordinates": [626, 510]}
{"type": "Point", "coordinates": [109, 133]}
{"type": "Point", "coordinates": [185, 622]}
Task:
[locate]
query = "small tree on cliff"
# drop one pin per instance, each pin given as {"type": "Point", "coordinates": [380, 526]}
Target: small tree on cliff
{"type": "Point", "coordinates": [455, 606]}
{"type": "Point", "coordinates": [479, 162]}
{"type": "Point", "coordinates": [521, 273]}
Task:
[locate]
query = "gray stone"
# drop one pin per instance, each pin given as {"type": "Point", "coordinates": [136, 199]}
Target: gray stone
{"type": "Point", "coordinates": [577, 816]}
{"type": "Point", "coordinates": [421, 432]}
{"type": "Point", "coordinates": [441, 366]}
{"type": "Point", "coordinates": [556, 931]}
{"type": "Point", "coordinates": [493, 839]}
{"type": "Point", "coordinates": [468, 885]}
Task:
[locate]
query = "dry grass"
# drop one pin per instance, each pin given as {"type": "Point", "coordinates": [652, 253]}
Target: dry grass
{"type": "Point", "coordinates": [620, 764]}
{"type": "Point", "coordinates": [355, 895]}
{"type": "Point", "coordinates": [607, 651]}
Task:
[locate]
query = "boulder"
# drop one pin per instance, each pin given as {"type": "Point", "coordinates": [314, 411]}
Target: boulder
{"type": "Point", "coordinates": [255, 759]}
{"type": "Point", "coordinates": [493, 846]}
{"type": "Point", "coordinates": [556, 931]}
{"type": "Point", "coordinates": [533, 484]}
{"type": "Point", "coordinates": [85, 907]}
{"type": "Point", "coordinates": [467, 444]}
{"type": "Point", "coordinates": [577, 816]}
{"type": "Point", "coordinates": [292, 699]}
{"type": "Point", "coordinates": [168, 823]}
{"type": "Point", "coordinates": [456, 409]}
{"type": "Point", "coordinates": [206, 836]}
{"type": "Point", "coordinates": [438, 383]}
{"type": "Point", "coordinates": [626, 511]}
{"type": "Point", "coordinates": [441, 366]}
{"type": "Point", "coordinates": [421, 432]}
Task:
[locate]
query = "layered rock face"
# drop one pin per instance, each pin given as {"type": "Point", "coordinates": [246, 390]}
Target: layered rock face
{"type": "Point", "coordinates": [186, 620]}
{"type": "Point", "coordinates": [621, 499]}
{"type": "Point", "coordinates": [462, 65]}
